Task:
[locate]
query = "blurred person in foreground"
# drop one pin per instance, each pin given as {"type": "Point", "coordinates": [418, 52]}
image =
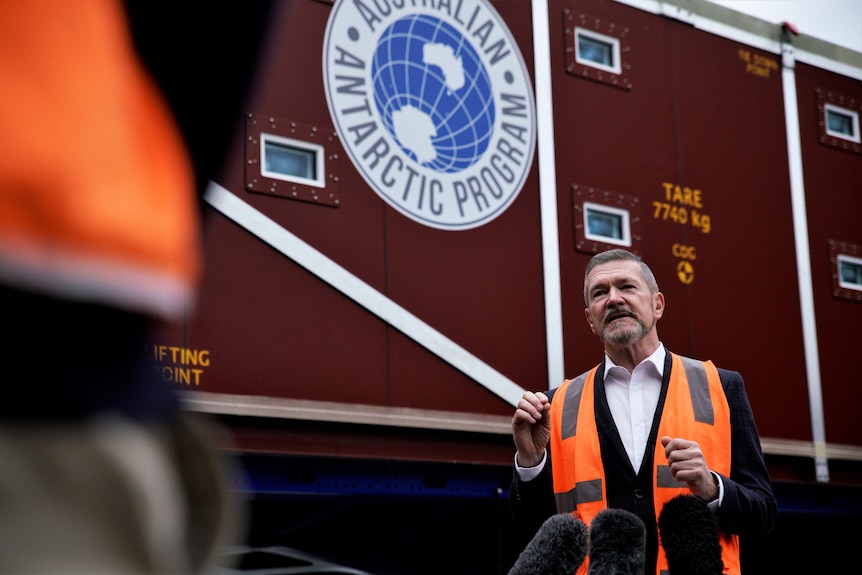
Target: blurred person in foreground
{"type": "Point", "coordinates": [101, 468]}
{"type": "Point", "coordinates": [644, 426]}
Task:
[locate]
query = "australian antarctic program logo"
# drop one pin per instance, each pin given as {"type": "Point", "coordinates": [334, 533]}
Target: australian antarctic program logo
{"type": "Point", "coordinates": [434, 105]}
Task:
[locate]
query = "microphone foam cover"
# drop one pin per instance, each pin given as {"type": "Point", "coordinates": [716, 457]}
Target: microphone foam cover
{"type": "Point", "coordinates": [617, 543]}
{"type": "Point", "coordinates": [558, 548]}
{"type": "Point", "coordinates": [688, 531]}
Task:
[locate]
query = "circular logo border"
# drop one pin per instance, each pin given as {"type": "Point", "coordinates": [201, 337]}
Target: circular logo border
{"type": "Point", "coordinates": [465, 200]}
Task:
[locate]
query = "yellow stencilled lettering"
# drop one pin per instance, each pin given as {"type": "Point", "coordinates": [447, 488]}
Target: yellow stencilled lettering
{"type": "Point", "coordinates": [757, 64]}
{"type": "Point", "coordinates": [764, 62]}
{"type": "Point", "coordinates": [684, 252]}
{"type": "Point", "coordinates": [184, 375]}
{"type": "Point", "coordinates": [682, 195]}
{"type": "Point", "coordinates": [701, 222]}
{"type": "Point", "coordinates": [685, 268]}
{"type": "Point", "coordinates": [180, 365]}
{"type": "Point", "coordinates": [682, 205]}
{"type": "Point", "coordinates": [665, 211]}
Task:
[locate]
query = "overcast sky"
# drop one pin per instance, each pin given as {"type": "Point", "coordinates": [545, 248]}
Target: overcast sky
{"type": "Point", "coordinates": [836, 21]}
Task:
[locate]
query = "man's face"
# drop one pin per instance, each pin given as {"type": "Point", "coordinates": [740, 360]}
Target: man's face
{"type": "Point", "coordinates": [621, 309]}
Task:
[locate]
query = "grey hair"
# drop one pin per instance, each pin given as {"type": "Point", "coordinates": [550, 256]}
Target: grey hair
{"type": "Point", "coordinates": [619, 254]}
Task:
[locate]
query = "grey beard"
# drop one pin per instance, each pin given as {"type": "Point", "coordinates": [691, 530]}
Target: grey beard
{"type": "Point", "coordinates": [626, 337]}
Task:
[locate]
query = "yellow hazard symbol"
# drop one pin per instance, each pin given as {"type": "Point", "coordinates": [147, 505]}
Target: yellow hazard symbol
{"type": "Point", "coordinates": [685, 271]}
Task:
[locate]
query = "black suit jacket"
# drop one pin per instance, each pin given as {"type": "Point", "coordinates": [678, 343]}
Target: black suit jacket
{"type": "Point", "coordinates": [747, 509]}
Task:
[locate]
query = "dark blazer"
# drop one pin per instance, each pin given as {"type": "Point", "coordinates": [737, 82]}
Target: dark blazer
{"type": "Point", "coordinates": [748, 509]}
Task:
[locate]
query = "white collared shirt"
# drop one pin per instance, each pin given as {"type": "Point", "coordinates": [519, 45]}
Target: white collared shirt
{"type": "Point", "coordinates": [633, 398]}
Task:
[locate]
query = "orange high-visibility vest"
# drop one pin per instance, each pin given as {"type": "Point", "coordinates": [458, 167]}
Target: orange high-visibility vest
{"type": "Point", "coordinates": [695, 408]}
{"type": "Point", "coordinates": [97, 194]}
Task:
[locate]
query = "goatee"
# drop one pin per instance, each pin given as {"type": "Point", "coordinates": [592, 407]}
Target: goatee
{"type": "Point", "coordinates": [626, 336]}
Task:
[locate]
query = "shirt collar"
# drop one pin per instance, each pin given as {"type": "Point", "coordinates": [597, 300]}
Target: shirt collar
{"type": "Point", "coordinates": [657, 359]}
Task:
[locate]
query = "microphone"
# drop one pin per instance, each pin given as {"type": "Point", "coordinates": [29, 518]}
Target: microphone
{"type": "Point", "coordinates": [558, 548]}
{"type": "Point", "coordinates": [688, 531]}
{"type": "Point", "coordinates": [617, 543]}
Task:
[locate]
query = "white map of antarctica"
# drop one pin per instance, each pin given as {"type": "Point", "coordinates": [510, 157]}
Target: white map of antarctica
{"type": "Point", "coordinates": [413, 127]}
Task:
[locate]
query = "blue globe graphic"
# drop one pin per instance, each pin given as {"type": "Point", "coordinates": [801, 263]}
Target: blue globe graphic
{"type": "Point", "coordinates": [463, 119]}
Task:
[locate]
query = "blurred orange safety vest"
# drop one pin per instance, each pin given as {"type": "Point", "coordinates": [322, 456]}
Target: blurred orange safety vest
{"type": "Point", "coordinates": [97, 192]}
{"type": "Point", "coordinates": [695, 408]}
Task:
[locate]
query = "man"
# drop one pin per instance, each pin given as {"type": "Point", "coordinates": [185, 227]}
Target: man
{"type": "Point", "coordinates": [642, 427]}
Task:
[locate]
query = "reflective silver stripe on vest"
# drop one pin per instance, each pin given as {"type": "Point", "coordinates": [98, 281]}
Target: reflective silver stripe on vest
{"type": "Point", "coordinates": [570, 407]}
{"type": "Point", "coordinates": [565, 501]}
{"type": "Point", "coordinates": [699, 388]}
{"type": "Point", "coordinates": [584, 492]}
{"type": "Point", "coordinates": [664, 478]}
